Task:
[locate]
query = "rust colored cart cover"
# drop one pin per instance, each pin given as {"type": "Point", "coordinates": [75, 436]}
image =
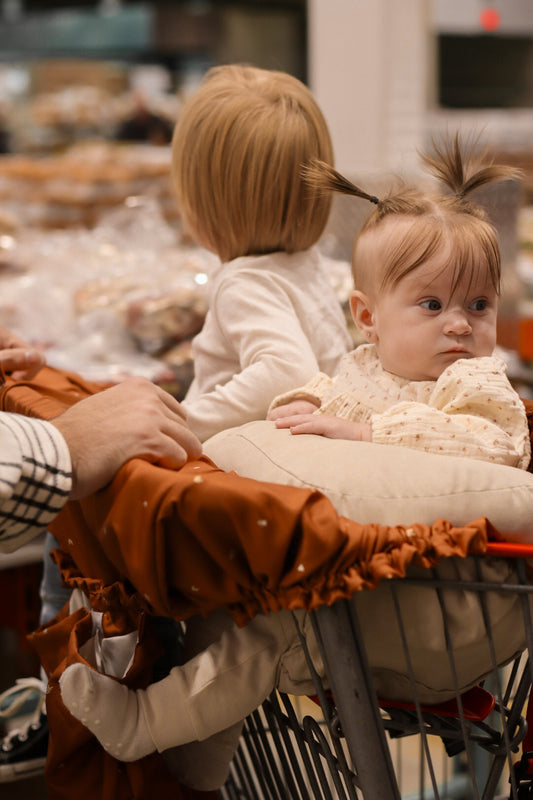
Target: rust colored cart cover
{"type": "Point", "coordinates": [180, 542]}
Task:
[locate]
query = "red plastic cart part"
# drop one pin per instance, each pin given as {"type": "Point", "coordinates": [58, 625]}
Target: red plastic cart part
{"type": "Point", "coordinates": [523, 769]}
{"type": "Point", "coordinates": [509, 550]}
{"type": "Point", "coordinates": [477, 704]}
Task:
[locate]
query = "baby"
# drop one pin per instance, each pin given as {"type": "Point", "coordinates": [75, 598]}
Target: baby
{"type": "Point", "coordinates": [427, 280]}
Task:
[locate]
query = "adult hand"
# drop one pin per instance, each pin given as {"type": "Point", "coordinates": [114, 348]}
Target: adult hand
{"type": "Point", "coordinates": [292, 409]}
{"type": "Point", "coordinates": [134, 419]}
{"type": "Point", "coordinates": [330, 427]}
{"type": "Point", "coordinates": [17, 357]}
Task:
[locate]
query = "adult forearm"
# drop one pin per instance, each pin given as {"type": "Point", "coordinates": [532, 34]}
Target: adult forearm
{"type": "Point", "coordinates": [35, 478]}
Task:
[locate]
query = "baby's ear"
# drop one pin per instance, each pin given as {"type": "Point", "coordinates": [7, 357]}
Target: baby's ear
{"type": "Point", "coordinates": [361, 308]}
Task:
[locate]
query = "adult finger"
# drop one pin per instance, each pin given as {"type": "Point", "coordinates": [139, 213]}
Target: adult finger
{"type": "Point", "coordinates": [173, 405]}
{"type": "Point", "coordinates": [21, 362]}
{"type": "Point", "coordinates": [174, 444]}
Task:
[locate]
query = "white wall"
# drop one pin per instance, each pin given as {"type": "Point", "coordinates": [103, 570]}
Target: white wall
{"type": "Point", "coordinates": [370, 68]}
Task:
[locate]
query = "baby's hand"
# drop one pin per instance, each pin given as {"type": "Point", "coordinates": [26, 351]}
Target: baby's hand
{"type": "Point", "coordinates": [330, 427]}
{"type": "Point", "coordinates": [297, 407]}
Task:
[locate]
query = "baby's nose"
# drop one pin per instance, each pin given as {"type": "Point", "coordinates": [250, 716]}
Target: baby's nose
{"type": "Point", "coordinates": [457, 323]}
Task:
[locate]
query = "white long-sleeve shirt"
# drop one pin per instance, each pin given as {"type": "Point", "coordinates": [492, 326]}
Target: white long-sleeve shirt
{"type": "Point", "coordinates": [273, 322]}
{"type": "Point", "coordinates": [471, 410]}
{"type": "Point", "coordinates": [35, 478]}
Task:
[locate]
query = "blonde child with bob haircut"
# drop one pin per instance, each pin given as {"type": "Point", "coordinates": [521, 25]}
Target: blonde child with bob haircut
{"type": "Point", "coordinates": [237, 156]}
{"type": "Point", "coordinates": [427, 272]}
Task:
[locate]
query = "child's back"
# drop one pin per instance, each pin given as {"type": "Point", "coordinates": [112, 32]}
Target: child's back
{"type": "Point", "coordinates": [273, 321]}
{"type": "Point", "coordinates": [238, 153]}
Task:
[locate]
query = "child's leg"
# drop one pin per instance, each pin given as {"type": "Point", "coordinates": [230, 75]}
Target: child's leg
{"type": "Point", "coordinates": [214, 690]}
{"type": "Point", "coordinates": [52, 592]}
{"type": "Point", "coordinates": [188, 761]}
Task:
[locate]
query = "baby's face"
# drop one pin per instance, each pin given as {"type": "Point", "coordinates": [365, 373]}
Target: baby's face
{"type": "Point", "coordinates": [421, 326]}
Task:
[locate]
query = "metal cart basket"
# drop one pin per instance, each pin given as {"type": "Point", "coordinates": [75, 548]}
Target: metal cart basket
{"type": "Point", "coordinates": [349, 743]}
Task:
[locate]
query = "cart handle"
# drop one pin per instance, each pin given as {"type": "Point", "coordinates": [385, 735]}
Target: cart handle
{"type": "Point", "coordinates": [509, 550]}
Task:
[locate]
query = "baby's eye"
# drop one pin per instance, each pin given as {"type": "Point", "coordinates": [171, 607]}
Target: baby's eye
{"type": "Point", "coordinates": [432, 304]}
{"type": "Point", "coordinates": [478, 305]}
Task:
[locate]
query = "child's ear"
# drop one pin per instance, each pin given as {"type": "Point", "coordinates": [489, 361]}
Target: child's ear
{"type": "Point", "coordinates": [361, 308]}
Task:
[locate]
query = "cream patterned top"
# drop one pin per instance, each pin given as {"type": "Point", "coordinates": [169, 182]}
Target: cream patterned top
{"type": "Point", "coordinates": [471, 410]}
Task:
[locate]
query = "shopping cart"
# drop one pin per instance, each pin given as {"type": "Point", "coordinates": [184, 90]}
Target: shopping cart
{"type": "Point", "coordinates": [345, 743]}
{"type": "Point", "coordinates": [199, 545]}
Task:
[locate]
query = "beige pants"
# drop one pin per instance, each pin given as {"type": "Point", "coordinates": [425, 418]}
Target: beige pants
{"type": "Point", "coordinates": [233, 672]}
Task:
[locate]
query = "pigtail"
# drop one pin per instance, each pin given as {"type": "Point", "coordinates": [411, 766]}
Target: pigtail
{"type": "Point", "coordinates": [323, 177]}
{"type": "Point", "coordinates": [462, 168]}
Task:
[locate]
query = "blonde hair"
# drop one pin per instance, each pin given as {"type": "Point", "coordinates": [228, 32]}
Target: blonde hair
{"type": "Point", "coordinates": [237, 154]}
{"type": "Point", "coordinates": [429, 223]}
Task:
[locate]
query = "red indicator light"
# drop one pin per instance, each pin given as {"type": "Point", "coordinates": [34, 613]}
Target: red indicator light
{"type": "Point", "coordinates": [489, 19]}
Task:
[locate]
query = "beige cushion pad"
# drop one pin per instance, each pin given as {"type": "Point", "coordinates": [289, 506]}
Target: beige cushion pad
{"type": "Point", "coordinates": [392, 485]}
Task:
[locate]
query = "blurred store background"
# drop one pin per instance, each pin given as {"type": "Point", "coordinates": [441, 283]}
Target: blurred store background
{"type": "Point", "coordinates": [95, 266]}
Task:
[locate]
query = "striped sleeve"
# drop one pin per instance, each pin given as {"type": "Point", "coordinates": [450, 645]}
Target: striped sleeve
{"type": "Point", "coordinates": [35, 478]}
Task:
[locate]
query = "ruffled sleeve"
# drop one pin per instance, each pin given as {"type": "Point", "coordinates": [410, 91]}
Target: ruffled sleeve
{"type": "Point", "coordinates": [471, 411]}
{"type": "Point", "coordinates": [313, 391]}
